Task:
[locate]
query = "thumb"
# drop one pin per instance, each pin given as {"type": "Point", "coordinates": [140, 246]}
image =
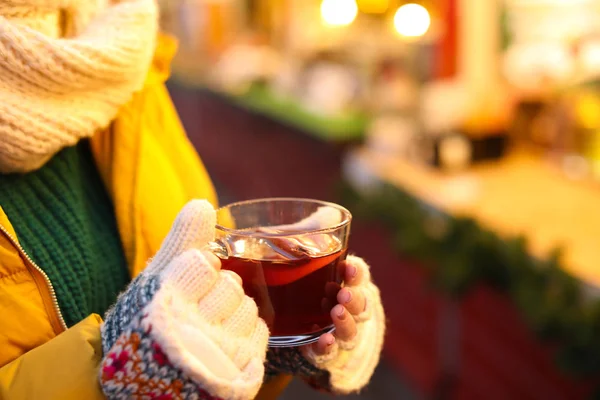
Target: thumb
{"type": "Point", "coordinates": [193, 228]}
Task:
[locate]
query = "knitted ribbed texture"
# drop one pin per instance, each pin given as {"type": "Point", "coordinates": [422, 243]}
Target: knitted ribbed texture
{"type": "Point", "coordinates": [66, 67]}
{"type": "Point", "coordinates": [65, 222]}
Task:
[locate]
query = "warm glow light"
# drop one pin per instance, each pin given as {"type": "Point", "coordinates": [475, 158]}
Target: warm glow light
{"type": "Point", "coordinates": [373, 6]}
{"type": "Point", "coordinates": [588, 111]}
{"type": "Point", "coordinates": [339, 12]}
{"type": "Point", "coordinates": [412, 20]}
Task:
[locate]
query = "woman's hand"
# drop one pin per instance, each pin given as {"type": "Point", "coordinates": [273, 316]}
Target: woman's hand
{"type": "Point", "coordinates": [184, 328]}
{"type": "Point", "coordinates": [343, 361]}
{"type": "Point", "coordinates": [351, 304]}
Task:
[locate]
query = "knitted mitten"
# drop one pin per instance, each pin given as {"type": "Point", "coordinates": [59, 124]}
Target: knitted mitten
{"type": "Point", "coordinates": [184, 329]}
{"type": "Point", "coordinates": [350, 365]}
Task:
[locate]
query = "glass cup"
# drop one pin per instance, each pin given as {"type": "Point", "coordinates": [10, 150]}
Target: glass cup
{"type": "Point", "coordinates": [287, 252]}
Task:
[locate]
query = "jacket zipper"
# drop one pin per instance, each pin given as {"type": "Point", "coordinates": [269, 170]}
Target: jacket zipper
{"type": "Point", "coordinates": [42, 273]}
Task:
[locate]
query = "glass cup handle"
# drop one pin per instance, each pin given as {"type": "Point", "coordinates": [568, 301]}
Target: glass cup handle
{"type": "Point", "coordinates": [219, 248]}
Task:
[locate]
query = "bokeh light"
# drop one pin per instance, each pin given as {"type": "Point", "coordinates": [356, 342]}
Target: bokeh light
{"type": "Point", "coordinates": [412, 20]}
{"type": "Point", "coordinates": [339, 12]}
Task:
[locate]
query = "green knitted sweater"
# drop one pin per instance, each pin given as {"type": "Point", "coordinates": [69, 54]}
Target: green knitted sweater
{"type": "Point", "coordinates": [65, 221]}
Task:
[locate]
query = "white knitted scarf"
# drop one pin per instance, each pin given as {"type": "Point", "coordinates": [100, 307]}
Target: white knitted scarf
{"type": "Point", "coordinates": [66, 67]}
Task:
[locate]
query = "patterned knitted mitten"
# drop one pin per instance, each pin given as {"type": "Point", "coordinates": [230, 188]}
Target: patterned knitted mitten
{"type": "Point", "coordinates": [184, 329]}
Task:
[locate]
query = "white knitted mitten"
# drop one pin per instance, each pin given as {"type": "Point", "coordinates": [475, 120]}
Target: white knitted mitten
{"type": "Point", "coordinates": [184, 329]}
{"type": "Point", "coordinates": [349, 366]}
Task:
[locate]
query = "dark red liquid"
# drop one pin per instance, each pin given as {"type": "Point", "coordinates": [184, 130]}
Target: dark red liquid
{"type": "Point", "coordinates": [294, 296]}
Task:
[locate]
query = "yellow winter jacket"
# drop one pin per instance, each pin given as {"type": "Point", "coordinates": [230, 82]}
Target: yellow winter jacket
{"type": "Point", "coordinates": [151, 170]}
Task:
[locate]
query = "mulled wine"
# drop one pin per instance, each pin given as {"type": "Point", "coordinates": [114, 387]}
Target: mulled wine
{"type": "Point", "coordinates": [287, 252]}
{"type": "Point", "coordinates": [294, 296]}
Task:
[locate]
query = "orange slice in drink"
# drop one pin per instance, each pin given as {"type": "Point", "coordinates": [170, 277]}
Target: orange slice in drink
{"type": "Point", "coordinates": [277, 274]}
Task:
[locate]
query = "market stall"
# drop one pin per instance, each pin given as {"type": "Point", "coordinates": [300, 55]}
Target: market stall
{"type": "Point", "coordinates": [515, 243]}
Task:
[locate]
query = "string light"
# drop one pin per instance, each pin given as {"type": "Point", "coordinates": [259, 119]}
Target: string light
{"type": "Point", "coordinates": [412, 20]}
{"type": "Point", "coordinates": [339, 12]}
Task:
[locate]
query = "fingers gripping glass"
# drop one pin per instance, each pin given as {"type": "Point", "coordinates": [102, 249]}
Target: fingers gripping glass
{"type": "Point", "coordinates": [287, 252]}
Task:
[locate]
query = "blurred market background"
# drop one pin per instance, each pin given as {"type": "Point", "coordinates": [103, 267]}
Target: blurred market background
{"type": "Point", "coordinates": [464, 135]}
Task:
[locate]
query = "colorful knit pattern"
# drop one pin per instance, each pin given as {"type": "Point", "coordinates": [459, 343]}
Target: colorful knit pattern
{"type": "Point", "coordinates": [129, 306]}
{"type": "Point", "coordinates": [136, 368]}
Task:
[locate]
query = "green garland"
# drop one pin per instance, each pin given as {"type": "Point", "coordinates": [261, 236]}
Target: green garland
{"type": "Point", "coordinates": [259, 99]}
{"type": "Point", "coordinates": [344, 127]}
{"type": "Point", "coordinates": [461, 254]}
